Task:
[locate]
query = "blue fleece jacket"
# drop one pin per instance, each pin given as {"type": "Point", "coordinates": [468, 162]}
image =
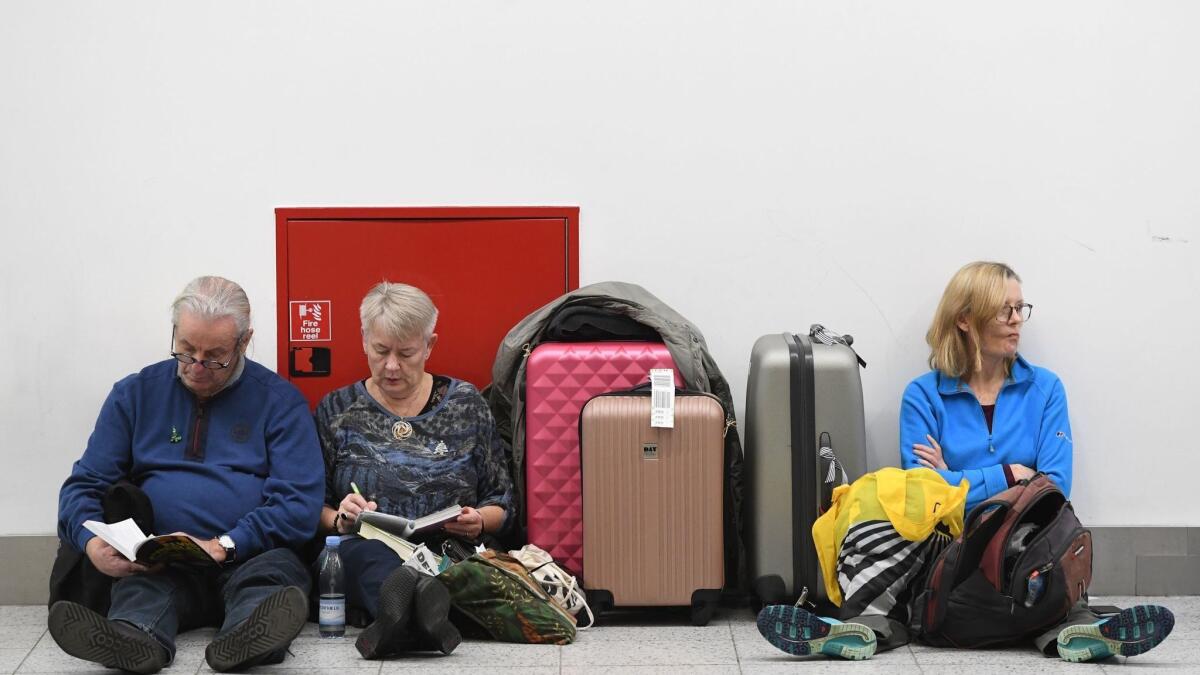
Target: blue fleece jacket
{"type": "Point", "coordinates": [1029, 427]}
{"type": "Point", "coordinates": [246, 462]}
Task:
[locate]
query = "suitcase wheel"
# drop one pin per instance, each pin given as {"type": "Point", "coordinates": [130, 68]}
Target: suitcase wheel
{"type": "Point", "coordinates": [704, 605]}
{"type": "Point", "coordinates": [769, 589]}
{"type": "Point", "coordinates": [599, 600]}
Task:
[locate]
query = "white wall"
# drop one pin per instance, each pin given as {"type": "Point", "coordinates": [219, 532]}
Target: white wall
{"type": "Point", "coordinates": [760, 166]}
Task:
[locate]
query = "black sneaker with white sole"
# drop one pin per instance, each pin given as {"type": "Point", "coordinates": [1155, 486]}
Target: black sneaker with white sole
{"type": "Point", "coordinates": [270, 628]}
{"type": "Point", "coordinates": [87, 635]}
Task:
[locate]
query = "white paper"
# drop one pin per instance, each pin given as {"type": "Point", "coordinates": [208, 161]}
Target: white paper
{"type": "Point", "coordinates": [662, 398]}
{"type": "Point", "coordinates": [424, 561]}
{"type": "Point", "coordinates": [124, 536]}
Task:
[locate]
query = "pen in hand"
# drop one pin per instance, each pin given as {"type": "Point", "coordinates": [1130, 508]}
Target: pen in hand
{"type": "Point", "coordinates": [354, 486]}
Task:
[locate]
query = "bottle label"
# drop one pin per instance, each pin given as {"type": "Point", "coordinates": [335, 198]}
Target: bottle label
{"type": "Point", "coordinates": [332, 612]}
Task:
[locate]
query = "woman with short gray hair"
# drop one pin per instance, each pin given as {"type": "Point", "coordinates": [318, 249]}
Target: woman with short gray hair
{"type": "Point", "coordinates": [413, 443]}
{"type": "Point", "coordinates": [400, 309]}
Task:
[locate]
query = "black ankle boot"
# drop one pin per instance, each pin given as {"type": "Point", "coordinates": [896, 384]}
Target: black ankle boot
{"type": "Point", "coordinates": [389, 632]}
{"type": "Point", "coordinates": [431, 618]}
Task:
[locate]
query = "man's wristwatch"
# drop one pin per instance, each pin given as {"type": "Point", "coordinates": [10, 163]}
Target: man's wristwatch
{"type": "Point", "coordinates": [226, 543]}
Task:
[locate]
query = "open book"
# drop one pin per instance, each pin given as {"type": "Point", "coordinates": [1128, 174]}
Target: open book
{"type": "Point", "coordinates": [128, 538]}
{"type": "Point", "coordinates": [405, 527]}
{"type": "Point", "coordinates": [413, 555]}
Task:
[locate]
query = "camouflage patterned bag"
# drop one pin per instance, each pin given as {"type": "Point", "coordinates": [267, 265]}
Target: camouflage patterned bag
{"type": "Point", "coordinates": [496, 591]}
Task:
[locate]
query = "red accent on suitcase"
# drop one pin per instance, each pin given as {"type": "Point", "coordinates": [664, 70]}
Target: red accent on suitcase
{"type": "Point", "coordinates": [559, 378]}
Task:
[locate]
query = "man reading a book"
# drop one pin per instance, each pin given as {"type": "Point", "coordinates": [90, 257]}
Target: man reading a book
{"type": "Point", "coordinates": [226, 453]}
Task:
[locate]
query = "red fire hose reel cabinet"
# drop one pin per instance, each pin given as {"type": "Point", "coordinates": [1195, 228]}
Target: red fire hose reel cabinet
{"type": "Point", "coordinates": [485, 268]}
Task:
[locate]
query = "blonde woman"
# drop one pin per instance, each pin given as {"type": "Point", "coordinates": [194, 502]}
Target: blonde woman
{"type": "Point", "coordinates": [986, 415]}
{"type": "Point", "coordinates": [949, 420]}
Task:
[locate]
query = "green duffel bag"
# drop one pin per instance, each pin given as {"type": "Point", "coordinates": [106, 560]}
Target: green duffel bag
{"type": "Point", "coordinates": [495, 590]}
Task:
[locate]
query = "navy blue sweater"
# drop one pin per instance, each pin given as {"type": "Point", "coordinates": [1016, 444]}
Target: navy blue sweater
{"type": "Point", "coordinates": [246, 462]}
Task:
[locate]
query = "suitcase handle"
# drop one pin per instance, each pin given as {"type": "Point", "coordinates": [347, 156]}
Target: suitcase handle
{"type": "Point", "coordinates": [827, 337]}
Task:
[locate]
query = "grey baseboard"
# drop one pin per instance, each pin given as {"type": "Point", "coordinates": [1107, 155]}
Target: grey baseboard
{"type": "Point", "coordinates": [1146, 561]}
{"type": "Point", "coordinates": [26, 561]}
{"type": "Point", "coordinates": [1128, 561]}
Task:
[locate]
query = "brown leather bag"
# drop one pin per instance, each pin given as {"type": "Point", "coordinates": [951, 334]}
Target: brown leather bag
{"type": "Point", "coordinates": [1022, 561]}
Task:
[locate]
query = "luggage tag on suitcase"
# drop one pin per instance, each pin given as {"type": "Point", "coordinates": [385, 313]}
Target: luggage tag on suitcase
{"type": "Point", "coordinates": [662, 398]}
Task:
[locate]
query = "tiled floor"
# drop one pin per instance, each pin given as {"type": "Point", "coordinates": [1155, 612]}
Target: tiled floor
{"type": "Point", "coordinates": [640, 643]}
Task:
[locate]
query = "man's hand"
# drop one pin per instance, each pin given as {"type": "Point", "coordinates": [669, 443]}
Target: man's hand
{"type": "Point", "coordinates": [930, 455]}
{"type": "Point", "coordinates": [110, 561]}
{"type": "Point", "coordinates": [213, 548]}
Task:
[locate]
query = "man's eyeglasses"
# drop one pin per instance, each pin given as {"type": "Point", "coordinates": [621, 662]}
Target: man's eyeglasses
{"type": "Point", "coordinates": [210, 364]}
{"type": "Point", "coordinates": [1024, 310]}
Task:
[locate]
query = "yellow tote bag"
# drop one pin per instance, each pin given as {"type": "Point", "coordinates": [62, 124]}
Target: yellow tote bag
{"type": "Point", "coordinates": [914, 501]}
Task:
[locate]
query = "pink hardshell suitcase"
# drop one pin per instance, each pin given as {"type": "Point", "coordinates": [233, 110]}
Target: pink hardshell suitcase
{"type": "Point", "coordinates": [559, 378]}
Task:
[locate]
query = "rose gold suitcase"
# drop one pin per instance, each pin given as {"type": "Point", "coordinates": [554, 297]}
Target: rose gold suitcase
{"type": "Point", "coordinates": [652, 503]}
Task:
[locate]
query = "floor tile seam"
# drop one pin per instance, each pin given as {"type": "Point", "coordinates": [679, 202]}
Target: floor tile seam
{"type": "Point", "coordinates": [912, 655]}
{"type": "Point", "coordinates": [737, 654]}
{"type": "Point", "coordinates": [673, 664]}
{"type": "Point", "coordinates": [29, 652]}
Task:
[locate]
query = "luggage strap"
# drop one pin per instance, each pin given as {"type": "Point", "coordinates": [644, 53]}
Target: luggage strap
{"type": "Point", "coordinates": [827, 337]}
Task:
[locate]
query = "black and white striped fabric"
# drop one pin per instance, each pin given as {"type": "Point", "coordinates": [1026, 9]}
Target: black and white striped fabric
{"type": "Point", "coordinates": [876, 568]}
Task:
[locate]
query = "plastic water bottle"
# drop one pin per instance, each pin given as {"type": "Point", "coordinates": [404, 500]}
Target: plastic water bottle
{"type": "Point", "coordinates": [332, 589]}
{"type": "Point", "coordinates": [1034, 585]}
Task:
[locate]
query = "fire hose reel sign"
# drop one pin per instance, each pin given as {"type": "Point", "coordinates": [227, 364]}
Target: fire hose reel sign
{"type": "Point", "coordinates": [310, 321]}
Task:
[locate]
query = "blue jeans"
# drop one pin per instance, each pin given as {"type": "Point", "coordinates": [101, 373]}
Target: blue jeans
{"type": "Point", "coordinates": [165, 604]}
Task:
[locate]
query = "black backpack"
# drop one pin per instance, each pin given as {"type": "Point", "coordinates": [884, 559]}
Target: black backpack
{"type": "Point", "coordinates": [73, 577]}
{"type": "Point", "coordinates": [1022, 561]}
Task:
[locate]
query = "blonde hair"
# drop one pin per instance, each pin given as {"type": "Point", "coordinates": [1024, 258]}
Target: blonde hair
{"type": "Point", "coordinates": [976, 293]}
{"type": "Point", "coordinates": [403, 311]}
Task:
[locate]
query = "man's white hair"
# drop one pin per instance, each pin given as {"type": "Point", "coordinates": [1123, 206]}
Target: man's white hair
{"type": "Point", "coordinates": [213, 298]}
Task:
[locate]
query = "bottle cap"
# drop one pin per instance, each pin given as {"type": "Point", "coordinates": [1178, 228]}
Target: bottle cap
{"type": "Point", "coordinates": [333, 540]}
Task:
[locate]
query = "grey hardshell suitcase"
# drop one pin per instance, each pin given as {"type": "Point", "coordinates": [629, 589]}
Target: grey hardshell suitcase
{"type": "Point", "coordinates": [804, 436]}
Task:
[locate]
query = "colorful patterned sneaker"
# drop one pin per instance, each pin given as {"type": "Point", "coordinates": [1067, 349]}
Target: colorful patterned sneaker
{"type": "Point", "coordinates": [799, 632]}
{"type": "Point", "coordinates": [1131, 632]}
